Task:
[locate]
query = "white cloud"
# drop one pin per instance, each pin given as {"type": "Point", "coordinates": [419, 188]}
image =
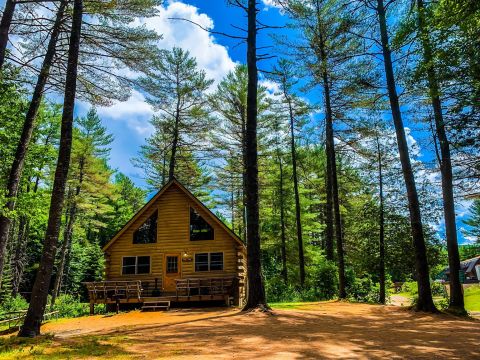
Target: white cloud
{"type": "Point", "coordinates": [412, 143]}
{"type": "Point", "coordinates": [271, 86]}
{"type": "Point", "coordinates": [271, 4]}
{"type": "Point", "coordinates": [211, 57]}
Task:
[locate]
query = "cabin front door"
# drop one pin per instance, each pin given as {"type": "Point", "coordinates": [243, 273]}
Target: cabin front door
{"type": "Point", "coordinates": [171, 271]}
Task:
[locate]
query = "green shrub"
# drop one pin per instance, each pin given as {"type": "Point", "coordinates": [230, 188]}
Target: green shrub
{"type": "Point", "coordinates": [70, 306]}
{"type": "Point", "coordinates": [438, 289]}
{"type": "Point", "coordinates": [443, 303]}
{"type": "Point", "coordinates": [364, 290]}
{"type": "Point", "coordinates": [410, 287]}
{"type": "Point", "coordinates": [10, 304]}
{"type": "Point", "coordinates": [321, 284]}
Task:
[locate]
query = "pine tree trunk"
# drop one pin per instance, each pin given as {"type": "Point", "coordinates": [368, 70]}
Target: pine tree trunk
{"type": "Point", "coordinates": [456, 294]}
{"type": "Point", "coordinates": [173, 155]}
{"type": "Point", "coordinates": [381, 220]}
{"type": "Point", "coordinates": [15, 173]}
{"type": "Point", "coordinates": [282, 223]}
{"type": "Point", "coordinates": [38, 302]}
{"type": "Point", "coordinates": [68, 233]}
{"type": "Point", "coordinates": [301, 257]}
{"type": "Point", "coordinates": [329, 253]}
{"type": "Point", "coordinates": [5, 24]}
{"type": "Point", "coordinates": [332, 182]}
{"type": "Point", "coordinates": [256, 291]}
{"type": "Point", "coordinates": [425, 301]}
{"type": "Point", "coordinates": [67, 241]}
{"type": "Point", "coordinates": [18, 261]}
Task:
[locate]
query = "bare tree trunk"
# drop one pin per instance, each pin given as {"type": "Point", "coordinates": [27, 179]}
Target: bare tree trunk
{"type": "Point", "coordinates": [68, 234]}
{"type": "Point", "coordinates": [381, 220]}
{"type": "Point", "coordinates": [332, 182]}
{"type": "Point", "coordinates": [15, 173]}
{"type": "Point", "coordinates": [38, 302]}
{"type": "Point", "coordinates": [18, 261]}
{"type": "Point", "coordinates": [301, 257]}
{"type": "Point", "coordinates": [282, 223]}
{"type": "Point", "coordinates": [456, 294]}
{"type": "Point", "coordinates": [67, 238]}
{"type": "Point", "coordinates": [256, 291]}
{"type": "Point", "coordinates": [425, 301]}
{"type": "Point", "coordinates": [5, 24]}
{"type": "Point", "coordinates": [173, 155]}
{"type": "Point", "coordinates": [329, 253]}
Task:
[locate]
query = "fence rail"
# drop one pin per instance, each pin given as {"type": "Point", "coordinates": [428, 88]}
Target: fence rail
{"type": "Point", "coordinates": [15, 318]}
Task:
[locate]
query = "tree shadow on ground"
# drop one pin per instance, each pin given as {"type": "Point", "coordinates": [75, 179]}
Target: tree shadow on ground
{"type": "Point", "coordinates": [308, 334]}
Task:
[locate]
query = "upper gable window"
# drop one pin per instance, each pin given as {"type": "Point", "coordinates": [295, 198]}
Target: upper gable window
{"type": "Point", "coordinates": [147, 232]}
{"type": "Point", "coordinates": [199, 228]}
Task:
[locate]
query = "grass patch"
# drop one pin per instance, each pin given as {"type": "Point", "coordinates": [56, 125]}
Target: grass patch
{"type": "Point", "coordinates": [47, 347]}
{"type": "Point", "coordinates": [297, 305]}
{"type": "Point", "coordinates": [472, 298]}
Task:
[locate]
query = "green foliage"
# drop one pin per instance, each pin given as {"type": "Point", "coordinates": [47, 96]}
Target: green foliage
{"type": "Point", "coordinates": [176, 90]}
{"type": "Point", "coordinates": [364, 289]}
{"type": "Point", "coordinates": [410, 287]}
{"type": "Point", "coordinates": [71, 306]}
{"type": "Point", "coordinates": [10, 304]}
{"type": "Point", "coordinates": [472, 298]}
{"type": "Point", "coordinates": [438, 289]}
{"type": "Point", "coordinates": [321, 284]}
{"type": "Point", "coordinates": [473, 223]}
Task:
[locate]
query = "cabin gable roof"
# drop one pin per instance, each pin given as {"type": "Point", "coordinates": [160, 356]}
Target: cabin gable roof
{"type": "Point", "coordinates": [154, 199]}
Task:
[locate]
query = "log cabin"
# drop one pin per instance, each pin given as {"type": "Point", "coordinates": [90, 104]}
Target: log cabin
{"type": "Point", "coordinates": [173, 250]}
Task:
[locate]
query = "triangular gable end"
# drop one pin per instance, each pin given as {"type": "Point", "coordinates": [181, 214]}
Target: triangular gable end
{"type": "Point", "coordinates": [155, 198]}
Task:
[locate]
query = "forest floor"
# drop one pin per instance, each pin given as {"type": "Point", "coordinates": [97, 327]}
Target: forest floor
{"type": "Point", "coordinates": [325, 330]}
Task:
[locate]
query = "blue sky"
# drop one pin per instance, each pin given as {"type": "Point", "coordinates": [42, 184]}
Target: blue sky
{"type": "Point", "coordinates": [129, 121]}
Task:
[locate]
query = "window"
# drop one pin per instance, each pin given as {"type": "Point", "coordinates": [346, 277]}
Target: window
{"type": "Point", "coordinates": [199, 228]}
{"type": "Point", "coordinates": [147, 232]}
{"type": "Point", "coordinates": [134, 265]}
{"type": "Point", "coordinates": [216, 261]}
{"type": "Point", "coordinates": [143, 265]}
{"type": "Point", "coordinates": [209, 261]}
{"type": "Point", "coordinates": [129, 265]}
{"type": "Point", "coordinates": [201, 262]}
{"type": "Point", "coordinates": [172, 264]}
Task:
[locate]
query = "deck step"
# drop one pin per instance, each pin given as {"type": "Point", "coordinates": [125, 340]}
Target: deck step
{"type": "Point", "coordinates": [156, 305]}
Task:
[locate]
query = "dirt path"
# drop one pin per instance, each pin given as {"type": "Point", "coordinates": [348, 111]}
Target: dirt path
{"type": "Point", "coordinates": [399, 300]}
{"type": "Point", "coordinates": [328, 330]}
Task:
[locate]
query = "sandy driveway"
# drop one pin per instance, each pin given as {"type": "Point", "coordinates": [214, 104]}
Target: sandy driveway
{"type": "Point", "coordinates": [329, 330]}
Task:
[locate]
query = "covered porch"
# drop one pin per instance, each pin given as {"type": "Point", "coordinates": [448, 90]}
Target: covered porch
{"type": "Point", "coordinates": [186, 290]}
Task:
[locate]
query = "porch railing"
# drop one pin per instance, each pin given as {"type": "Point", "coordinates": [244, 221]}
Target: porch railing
{"type": "Point", "coordinates": [114, 290]}
{"type": "Point", "coordinates": [208, 286]}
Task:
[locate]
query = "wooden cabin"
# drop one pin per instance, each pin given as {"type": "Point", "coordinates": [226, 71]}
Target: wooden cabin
{"type": "Point", "coordinates": [173, 250]}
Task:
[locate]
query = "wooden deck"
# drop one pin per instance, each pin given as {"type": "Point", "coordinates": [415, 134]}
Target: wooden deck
{"type": "Point", "coordinates": [187, 290]}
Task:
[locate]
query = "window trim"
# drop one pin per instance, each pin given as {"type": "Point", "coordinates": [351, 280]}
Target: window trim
{"type": "Point", "coordinates": [209, 260]}
{"type": "Point", "coordinates": [136, 265]}
{"type": "Point", "coordinates": [190, 207]}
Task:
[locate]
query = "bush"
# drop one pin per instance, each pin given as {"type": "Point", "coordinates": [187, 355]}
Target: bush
{"type": "Point", "coordinates": [70, 306]}
{"type": "Point", "coordinates": [10, 304]}
{"type": "Point", "coordinates": [410, 287]}
{"type": "Point", "coordinates": [321, 284]}
{"type": "Point", "coordinates": [438, 289]}
{"type": "Point", "coordinates": [364, 290]}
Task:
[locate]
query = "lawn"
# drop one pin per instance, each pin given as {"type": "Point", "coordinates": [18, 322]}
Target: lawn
{"type": "Point", "coordinates": [472, 298]}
